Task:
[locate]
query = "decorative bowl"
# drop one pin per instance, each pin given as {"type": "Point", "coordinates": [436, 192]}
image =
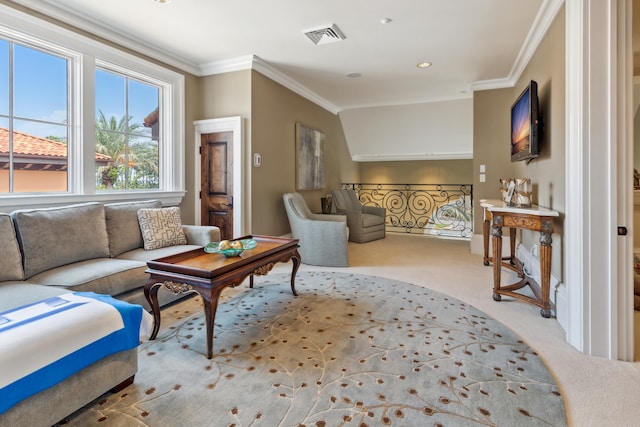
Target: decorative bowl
{"type": "Point", "coordinates": [214, 248]}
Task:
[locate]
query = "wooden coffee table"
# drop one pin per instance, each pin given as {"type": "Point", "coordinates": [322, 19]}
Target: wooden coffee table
{"type": "Point", "coordinates": [208, 274]}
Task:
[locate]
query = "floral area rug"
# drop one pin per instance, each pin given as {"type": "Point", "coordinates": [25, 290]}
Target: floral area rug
{"type": "Point", "coordinates": [350, 350]}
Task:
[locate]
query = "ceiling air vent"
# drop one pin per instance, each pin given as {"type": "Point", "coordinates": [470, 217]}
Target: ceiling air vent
{"type": "Point", "coordinates": [325, 34]}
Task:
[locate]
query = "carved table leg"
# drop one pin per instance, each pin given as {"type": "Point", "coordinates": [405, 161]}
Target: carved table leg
{"type": "Point", "coordinates": [496, 233]}
{"type": "Point", "coordinates": [485, 234]}
{"type": "Point", "coordinates": [295, 259]}
{"type": "Point", "coordinates": [512, 246]}
{"type": "Point", "coordinates": [151, 294]}
{"type": "Point", "coordinates": [210, 303]}
{"type": "Point", "coordinates": [545, 266]}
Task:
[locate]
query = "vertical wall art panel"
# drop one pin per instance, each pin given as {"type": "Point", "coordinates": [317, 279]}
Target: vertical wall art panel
{"type": "Point", "coordinates": [310, 158]}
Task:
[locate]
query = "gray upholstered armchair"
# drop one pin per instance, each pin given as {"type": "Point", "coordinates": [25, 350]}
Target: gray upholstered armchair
{"type": "Point", "coordinates": [323, 238]}
{"type": "Point", "coordinates": [366, 223]}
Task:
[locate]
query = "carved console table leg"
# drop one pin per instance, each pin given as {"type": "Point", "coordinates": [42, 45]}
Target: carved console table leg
{"type": "Point", "coordinates": [512, 246]}
{"type": "Point", "coordinates": [486, 225]}
{"type": "Point", "coordinates": [545, 266]}
{"type": "Point", "coordinates": [496, 233]}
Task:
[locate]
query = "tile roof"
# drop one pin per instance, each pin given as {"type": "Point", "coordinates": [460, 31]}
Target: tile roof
{"type": "Point", "coordinates": [26, 145]}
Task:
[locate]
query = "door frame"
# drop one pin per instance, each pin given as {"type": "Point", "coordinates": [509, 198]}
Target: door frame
{"type": "Point", "coordinates": [598, 180]}
{"type": "Point", "coordinates": [226, 124]}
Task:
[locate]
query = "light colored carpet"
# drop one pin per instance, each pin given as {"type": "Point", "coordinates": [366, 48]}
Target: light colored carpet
{"type": "Point", "coordinates": [351, 349]}
{"type": "Point", "coordinates": [596, 391]}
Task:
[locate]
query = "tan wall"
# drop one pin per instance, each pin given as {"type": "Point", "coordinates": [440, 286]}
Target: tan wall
{"type": "Point", "coordinates": [192, 107]}
{"type": "Point", "coordinates": [275, 111]}
{"type": "Point", "coordinates": [491, 145]}
{"type": "Point", "coordinates": [491, 137]}
{"type": "Point", "coordinates": [547, 172]}
{"type": "Point", "coordinates": [212, 97]}
{"type": "Point", "coordinates": [417, 172]}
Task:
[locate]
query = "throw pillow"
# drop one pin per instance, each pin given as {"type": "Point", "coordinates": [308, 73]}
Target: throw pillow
{"type": "Point", "coordinates": [123, 227]}
{"type": "Point", "coordinates": [161, 227]}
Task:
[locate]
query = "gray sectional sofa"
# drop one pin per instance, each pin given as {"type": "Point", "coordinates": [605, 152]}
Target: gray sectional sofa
{"type": "Point", "coordinates": [90, 247]}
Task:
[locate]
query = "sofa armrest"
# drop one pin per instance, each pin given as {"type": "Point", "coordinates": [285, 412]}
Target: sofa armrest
{"type": "Point", "coordinates": [201, 235]}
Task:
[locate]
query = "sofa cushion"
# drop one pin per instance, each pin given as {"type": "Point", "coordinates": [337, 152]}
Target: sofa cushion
{"type": "Point", "coordinates": [161, 227]}
{"type": "Point", "coordinates": [57, 236]}
{"type": "Point", "coordinates": [123, 227]}
{"type": "Point", "coordinates": [10, 256]}
{"type": "Point", "coordinates": [108, 276]}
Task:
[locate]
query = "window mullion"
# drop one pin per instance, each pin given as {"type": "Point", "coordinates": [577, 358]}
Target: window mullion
{"type": "Point", "coordinates": [11, 168]}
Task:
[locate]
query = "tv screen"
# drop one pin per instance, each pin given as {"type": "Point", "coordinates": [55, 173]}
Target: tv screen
{"type": "Point", "coordinates": [525, 124]}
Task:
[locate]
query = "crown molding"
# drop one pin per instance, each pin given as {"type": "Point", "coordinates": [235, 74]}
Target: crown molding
{"type": "Point", "coordinates": [461, 97]}
{"type": "Point", "coordinates": [547, 13]}
{"type": "Point", "coordinates": [226, 66]}
{"type": "Point", "coordinates": [253, 62]}
{"type": "Point", "coordinates": [491, 84]}
{"type": "Point", "coordinates": [462, 155]}
{"type": "Point", "coordinates": [269, 71]}
{"type": "Point", "coordinates": [90, 25]}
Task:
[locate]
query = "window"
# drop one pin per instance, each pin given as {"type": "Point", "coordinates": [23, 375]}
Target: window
{"type": "Point", "coordinates": [33, 120]}
{"type": "Point", "coordinates": [127, 123]}
{"type": "Point", "coordinates": [83, 121]}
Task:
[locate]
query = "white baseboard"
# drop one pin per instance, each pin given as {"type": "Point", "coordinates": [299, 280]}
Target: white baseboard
{"type": "Point", "coordinates": [558, 291]}
{"type": "Point", "coordinates": [477, 244]}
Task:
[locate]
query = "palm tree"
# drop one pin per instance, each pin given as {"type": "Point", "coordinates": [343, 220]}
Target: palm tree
{"type": "Point", "coordinates": [111, 139]}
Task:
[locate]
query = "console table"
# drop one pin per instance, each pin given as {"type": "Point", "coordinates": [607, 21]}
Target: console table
{"type": "Point", "coordinates": [531, 218]}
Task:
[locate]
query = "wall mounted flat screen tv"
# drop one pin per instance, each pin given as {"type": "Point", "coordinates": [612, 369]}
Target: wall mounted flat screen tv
{"type": "Point", "coordinates": [525, 125]}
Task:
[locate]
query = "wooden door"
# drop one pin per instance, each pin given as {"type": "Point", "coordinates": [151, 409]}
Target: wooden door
{"type": "Point", "coordinates": [216, 192]}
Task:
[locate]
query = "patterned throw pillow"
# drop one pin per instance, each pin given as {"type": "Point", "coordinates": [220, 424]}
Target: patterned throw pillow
{"type": "Point", "coordinates": [161, 227]}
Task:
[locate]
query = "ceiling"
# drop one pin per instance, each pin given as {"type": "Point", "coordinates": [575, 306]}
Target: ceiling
{"type": "Point", "coordinates": [471, 43]}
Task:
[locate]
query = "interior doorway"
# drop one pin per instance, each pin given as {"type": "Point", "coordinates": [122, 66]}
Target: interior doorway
{"type": "Point", "coordinates": [216, 185]}
{"type": "Point", "coordinates": [224, 150]}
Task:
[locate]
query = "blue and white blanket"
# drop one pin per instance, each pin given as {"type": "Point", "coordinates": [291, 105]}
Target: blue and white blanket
{"type": "Point", "coordinates": [43, 343]}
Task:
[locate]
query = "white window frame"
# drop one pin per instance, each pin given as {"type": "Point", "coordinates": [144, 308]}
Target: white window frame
{"type": "Point", "coordinates": [84, 56]}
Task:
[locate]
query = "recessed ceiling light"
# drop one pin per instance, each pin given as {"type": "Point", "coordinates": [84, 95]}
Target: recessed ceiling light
{"type": "Point", "coordinates": [162, 1]}
{"type": "Point", "coordinates": [353, 74]}
{"type": "Point", "coordinates": [385, 20]}
{"type": "Point", "coordinates": [424, 64]}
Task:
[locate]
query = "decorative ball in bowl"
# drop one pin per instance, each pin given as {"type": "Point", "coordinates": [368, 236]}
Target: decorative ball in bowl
{"type": "Point", "coordinates": [230, 248]}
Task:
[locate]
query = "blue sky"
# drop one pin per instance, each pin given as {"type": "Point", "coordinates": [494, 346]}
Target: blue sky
{"type": "Point", "coordinates": [40, 92]}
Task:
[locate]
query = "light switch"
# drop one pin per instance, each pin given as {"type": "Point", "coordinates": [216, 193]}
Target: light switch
{"type": "Point", "coordinates": [482, 169]}
{"type": "Point", "coordinates": [257, 160]}
{"type": "Point", "coordinates": [483, 177]}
